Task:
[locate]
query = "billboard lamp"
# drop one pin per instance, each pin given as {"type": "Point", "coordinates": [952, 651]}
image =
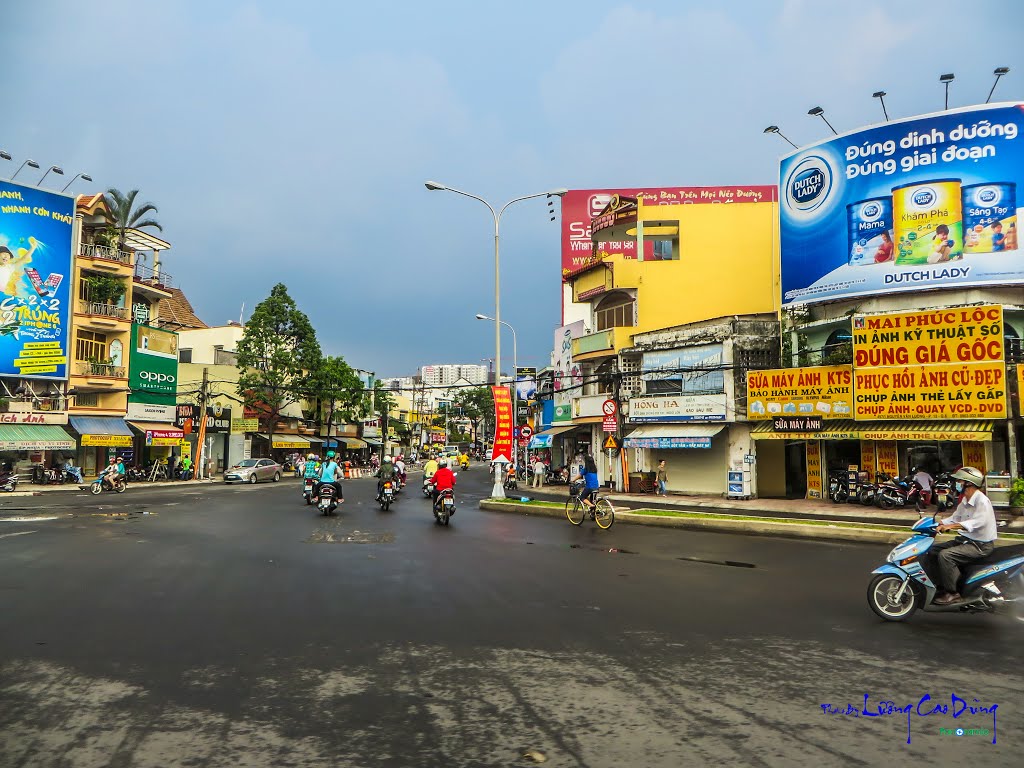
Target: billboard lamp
{"type": "Point", "coordinates": [880, 95]}
{"type": "Point", "coordinates": [999, 72]}
{"type": "Point", "coordinates": [55, 169]}
{"type": "Point", "coordinates": [29, 163]}
{"type": "Point", "coordinates": [819, 112]}
{"type": "Point", "coordinates": [84, 176]}
{"type": "Point", "coordinates": [947, 79]}
{"type": "Point", "coordinates": [775, 129]}
{"type": "Point", "coordinates": [4, 155]}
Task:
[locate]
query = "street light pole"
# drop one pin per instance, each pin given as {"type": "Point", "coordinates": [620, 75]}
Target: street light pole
{"type": "Point", "coordinates": [433, 186]}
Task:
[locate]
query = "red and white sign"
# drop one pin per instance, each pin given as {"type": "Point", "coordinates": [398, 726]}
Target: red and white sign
{"type": "Point", "coordinates": [525, 432]}
{"type": "Point", "coordinates": [609, 408]}
{"type": "Point", "coordinates": [34, 417]}
{"type": "Point", "coordinates": [579, 206]}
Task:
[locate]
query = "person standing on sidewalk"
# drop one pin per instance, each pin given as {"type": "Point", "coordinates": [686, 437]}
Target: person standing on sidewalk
{"type": "Point", "coordinates": [539, 470]}
{"type": "Point", "coordinates": [662, 478]}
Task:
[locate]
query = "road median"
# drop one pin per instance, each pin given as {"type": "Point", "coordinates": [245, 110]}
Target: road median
{"type": "Point", "coordinates": [823, 529]}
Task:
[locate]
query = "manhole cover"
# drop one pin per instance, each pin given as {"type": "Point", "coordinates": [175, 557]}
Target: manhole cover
{"type": "Point", "coordinates": [352, 537]}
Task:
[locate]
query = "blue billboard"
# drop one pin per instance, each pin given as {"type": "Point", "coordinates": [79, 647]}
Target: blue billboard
{"type": "Point", "coordinates": [927, 202]}
{"type": "Point", "coordinates": [683, 371]}
{"type": "Point", "coordinates": [35, 278]}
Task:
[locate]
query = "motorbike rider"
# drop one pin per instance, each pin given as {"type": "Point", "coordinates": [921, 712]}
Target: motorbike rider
{"type": "Point", "coordinates": [312, 470]}
{"type": "Point", "coordinates": [429, 469]}
{"type": "Point", "coordinates": [400, 468]}
{"type": "Point", "coordinates": [113, 472]}
{"type": "Point", "coordinates": [444, 479]}
{"type": "Point", "coordinates": [386, 474]}
{"type": "Point", "coordinates": [975, 523]}
{"type": "Point", "coordinates": [330, 474]}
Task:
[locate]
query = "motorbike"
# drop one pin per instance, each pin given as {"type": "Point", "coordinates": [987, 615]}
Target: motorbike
{"type": "Point", "coordinates": [387, 495]}
{"type": "Point", "coordinates": [98, 486]}
{"type": "Point", "coordinates": [867, 491]}
{"type": "Point", "coordinates": [136, 474]}
{"type": "Point", "coordinates": [906, 582]}
{"type": "Point", "coordinates": [510, 482]}
{"type": "Point", "coordinates": [943, 494]}
{"type": "Point", "coordinates": [8, 482]}
{"type": "Point", "coordinates": [428, 487]}
{"type": "Point", "coordinates": [326, 498]}
{"type": "Point", "coordinates": [899, 492]}
{"type": "Point", "coordinates": [838, 489]}
{"type": "Point", "coordinates": [444, 507]}
{"type": "Point", "coordinates": [308, 487]}
{"type": "Point", "coordinates": [464, 465]}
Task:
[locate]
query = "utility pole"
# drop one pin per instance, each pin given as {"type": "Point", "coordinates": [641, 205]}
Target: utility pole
{"type": "Point", "coordinates": [198, 464]}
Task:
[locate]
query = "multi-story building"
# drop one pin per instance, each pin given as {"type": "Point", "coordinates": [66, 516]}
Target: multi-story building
{"type": "Point", "coordinates": [449, 374]}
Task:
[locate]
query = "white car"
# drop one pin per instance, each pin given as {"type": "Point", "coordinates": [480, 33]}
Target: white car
{"type": "Point", "coordinates": [253, 470]}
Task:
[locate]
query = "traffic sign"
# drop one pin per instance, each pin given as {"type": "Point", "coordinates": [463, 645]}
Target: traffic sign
{"type": "Point", "coordinates": [611, 443]}
{"type": "Point", "coordinates": [608, 425]}
{"type": "Point", "coordinates": [609, 408]}
{"type": "Point", "coordinates": [526, 431]}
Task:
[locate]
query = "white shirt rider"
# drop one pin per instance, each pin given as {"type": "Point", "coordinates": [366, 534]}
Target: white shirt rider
{"type": "Point", "coordinates": [923, 479]}
{"type": "Point", "coordinates": [976, 517]}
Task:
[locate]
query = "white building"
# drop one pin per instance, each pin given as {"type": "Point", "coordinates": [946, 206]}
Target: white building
{"type": "Point", "coordinates": [449, 374]}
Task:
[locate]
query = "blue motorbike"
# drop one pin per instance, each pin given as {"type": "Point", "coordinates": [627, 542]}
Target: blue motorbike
{"type": "Point", "coordinates": [907, 581]}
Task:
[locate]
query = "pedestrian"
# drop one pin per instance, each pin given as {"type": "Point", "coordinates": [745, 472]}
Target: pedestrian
{"type": "Point", "coordinates": [662, 478]}
{"type": "Point", "coordinates": [539, 470]}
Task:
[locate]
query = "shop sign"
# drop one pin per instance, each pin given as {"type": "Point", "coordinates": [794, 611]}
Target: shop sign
{"type": "Point", "coordinates": [218, 419]}
{"type": "Point", "coordinates": [867, 458]}
{"type": "Point", "coordinates": [938, 364]}
{"type": "Point", "coordinates": [186, 416]}
{"type": "Point", "coordinates": [289, 442]}
{"type": "Point", "coordinates": [814, 476]}
{"type": "Point", "coordinates": [687, 370]}
{"type": "Point", "coordinates": [677, 408]}
{"type": "Point", "coordinates": [909, 432]}
{"type": "Point", "coordinates": [32, 445]}
{"type": "Point", "coordinates": [158, 437]}
{"type": "Point", "coordinates": [34, 417]}
{"type": "Point", "coordinates": [823, 391]}
{"type": "Point", "coordinates": [798, 424]}
{"type": "Point", "coordinates": [140, 313]}
{"type": "Point", "coordinates": [567, 378]}
{"type": "Point", "coordinates": [502, 424]}
{"type": "Point", "coordinates": [973, 454]}
{"type": "Point", "coordinates": [117, 441]}
{"type": "Point", "coordinates": [667, 443]}
{"type": "Point", "coordinates": [153, 364]}
{"type": "Point", "coordinates": [150, 412]}
{"type": "Point", "coordinates": [241, 426]}
{"type": "Point", "coordinates": [888, 458]}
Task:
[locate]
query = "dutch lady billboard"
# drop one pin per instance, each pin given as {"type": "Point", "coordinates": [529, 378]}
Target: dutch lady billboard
{"type": "Point", "coordinates": [927, 202]}
{"type": "Point", "coordinates": [35, 272]}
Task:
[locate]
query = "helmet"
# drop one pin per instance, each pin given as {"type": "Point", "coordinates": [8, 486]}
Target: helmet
{"type": "Point", "coordinates": [969, 475]}
{"type": "Point", "coordinates": [311, 456]}
{"type": "Point", "coordinates": [330, 454]}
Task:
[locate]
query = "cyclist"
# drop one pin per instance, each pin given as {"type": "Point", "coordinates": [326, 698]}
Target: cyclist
{"type": "Point", "coordinates": [591, 483]}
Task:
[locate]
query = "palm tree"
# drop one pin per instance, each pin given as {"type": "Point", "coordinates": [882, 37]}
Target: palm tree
{"type": "Point", "coordinates": [124, 215]}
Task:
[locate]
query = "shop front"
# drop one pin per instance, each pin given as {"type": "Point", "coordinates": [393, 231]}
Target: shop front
{"type": "Point", "coordinates": [26, 449]}
{"type": "Point", "coordinates": [556, 444]}
{"type": "Point", "coordinates": [696, 457]}
{"type": "Point", "coordinates": [156, 441]}
{"type": "Point", "coordinates": [285, 446]}
{"type": "Point", "coordinates": [99, 438]}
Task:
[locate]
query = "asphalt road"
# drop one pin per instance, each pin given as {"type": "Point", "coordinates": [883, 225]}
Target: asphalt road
{"type": "Point", "coordinates": [233, 626]}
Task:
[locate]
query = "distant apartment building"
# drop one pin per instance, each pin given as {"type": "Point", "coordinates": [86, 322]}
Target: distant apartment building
{"type": "Point", "coordinates": [445, 375]}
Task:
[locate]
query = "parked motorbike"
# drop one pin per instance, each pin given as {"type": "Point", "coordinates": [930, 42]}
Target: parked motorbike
{"type": "Point", "coordinates": [387, 495]}
{"type": "Point", "coordinates": [99, 486]}
{"type": "Point", "coordinates": [867, 491]}
{"type": "Point", "coordinates": [308, 486]}
{"type": "Point", "coordinates": [943, 494]}
{"type": "Point", "coordinates": [326, 498]}
{"type": "Point", "coordinates": [136, 474]}
{"type": "Point", "coordinates": [838, 489]}
{"type": "Point", "coordinates": [444, 507]}
{"type": "Point", "coordinates": [899, 492]}
{"type": "Point", "coordinates": [907, 581]}
{"type": "Point", "coordinates": [8, 482]}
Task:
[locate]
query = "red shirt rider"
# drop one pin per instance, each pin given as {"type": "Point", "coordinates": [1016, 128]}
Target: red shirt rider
{"type": "Point", "coordinates": [444, 479]}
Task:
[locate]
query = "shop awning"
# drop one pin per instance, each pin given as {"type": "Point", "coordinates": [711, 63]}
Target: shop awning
{"type": "Point", "coordinates": [554, 431]}
{"type": "Point", "coordinates": [354, 442]}
{"type": "Point", "coordinates": [34, 437]}
{"type": "Point", "coordinates": [847, 429]}
{"type": "Point", "coordinates": [286, 441]}
{"type": "Point", "coordinates": [102, 431]}
{"type": "Point", "coordinates": [673, 436]}
{"type": "Point", "coordinates": [372, 443]}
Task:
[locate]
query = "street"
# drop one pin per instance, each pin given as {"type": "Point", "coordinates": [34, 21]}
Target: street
{"type": "Point", "coordinates": [233, 625]}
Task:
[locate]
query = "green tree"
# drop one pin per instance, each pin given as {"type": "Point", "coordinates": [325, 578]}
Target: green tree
{"type": "Point", "coordinates": [338, 392]}
{"type": "Point", "coordinates": [383, 403]}
{"type": "Point", "coordinates": [275, 354]}
{"type": "Point", "coordinates": [478, 406]}
{"type": "Point", "coordinates": [125, 215]}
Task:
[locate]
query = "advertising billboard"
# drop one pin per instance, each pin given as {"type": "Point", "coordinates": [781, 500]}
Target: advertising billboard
{"type": "Point", "coordinates": [526, 384]}
{"type": "Point", "coordinates": [35, 275]}
{"type": "Point", "coordinates": [824, 391]}
{"type": "Point", "coordinates": [684, 371]}
{"type": "Point", "coordinates": [579, 206]}
{"type": "Point", "coordinates": [940, 364]}
{"type": "Point", "coordinates": [568, 377]}
{"type": "Point", "coordinates": [502, 424]}
{"type": "Point", "coordinates": [926, 202]}
{"type": "Point", "coordinates": [153, 364]}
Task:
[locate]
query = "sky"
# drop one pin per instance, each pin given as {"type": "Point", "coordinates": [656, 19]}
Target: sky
{"type": "Point", "coordinates": [289, 142]}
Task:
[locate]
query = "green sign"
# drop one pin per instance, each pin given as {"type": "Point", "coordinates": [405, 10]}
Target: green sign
{"type": "Point", "coordinates": [153, 362]}
{"type": "Point", "coordinates": [563, 412]}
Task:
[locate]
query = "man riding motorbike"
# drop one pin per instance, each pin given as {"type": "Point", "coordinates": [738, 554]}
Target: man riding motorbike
{"type": "Point", "coordinates": [975, 523]}
{"type": "Point", "coordinates": [113, 472]}
{"type": "Point", "coordinates": [400, 468]}
{"type": "Point", "coordinates": [429, 469]}
{"type": "Point", "coordinates": [444, 479]}
{"type": "Point", "coordinates": [386, 474]}
{"type": "Point", "coordinates": [330, 473]}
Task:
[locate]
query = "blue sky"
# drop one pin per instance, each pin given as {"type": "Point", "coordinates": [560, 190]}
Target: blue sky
{"type": "Point", "coordinates": [290, 141]}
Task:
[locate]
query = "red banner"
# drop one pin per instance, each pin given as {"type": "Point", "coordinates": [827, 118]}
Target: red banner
{"type": "Point", "coordinates": [503, 424]}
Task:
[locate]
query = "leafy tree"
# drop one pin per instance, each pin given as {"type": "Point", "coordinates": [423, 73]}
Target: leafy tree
{"type": "Point", "coordinates": [125, 215]}
{"type": "Point", "coordinates": [338, 392]}
{"type": "Point", "coordinates": [478, 406]}
{"type": "Point", "coordinates": [383, 403]}
{"type": "Point", "coordinates": [275, 353]}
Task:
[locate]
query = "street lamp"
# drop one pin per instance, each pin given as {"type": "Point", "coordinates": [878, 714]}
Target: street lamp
{"type": "Point", "coordinates": [29, 163]}
{"type": "Point", "coordinates": [880, 95]}
{"type": "Point", "coordinates": [435, 186]}
{"type": "Point", "coordinates": [55, 169]}
{"type": "Point", "coordinates": [82, 176]}
{"type": "Point", "coordinates": [999, 72]}
{"type": "Point", "coordinates": [4, 155]}
{"type": "Point", "coordinates": [775, 129]}
{"type": "Point", "coordinates": [515, 394]}
{"type": "Point", "coordinates": [819, 112]}
{"type": "Point", "coordinates": [947, 79]}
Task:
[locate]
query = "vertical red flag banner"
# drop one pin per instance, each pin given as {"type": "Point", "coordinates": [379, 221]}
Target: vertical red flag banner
{"type": "Point", "coordinates": [502, 424]}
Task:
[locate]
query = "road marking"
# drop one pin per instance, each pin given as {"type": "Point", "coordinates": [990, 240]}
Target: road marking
{"type": "Point", "coordinates": [19, 533]}
{"type": "Point", "coordinates": [26, 519]}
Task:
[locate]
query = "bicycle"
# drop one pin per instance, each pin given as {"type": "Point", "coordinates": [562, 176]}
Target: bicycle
{"type": "Point", "coordinates": [602, 513]}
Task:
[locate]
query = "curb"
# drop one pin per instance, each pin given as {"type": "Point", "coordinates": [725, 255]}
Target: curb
{"type": "Point", "coordinates": [77, 487]}
{"type": "Point", "coordinates": [719, 525]}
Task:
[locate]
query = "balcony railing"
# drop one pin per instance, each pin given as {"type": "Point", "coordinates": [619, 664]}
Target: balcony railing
{"type": "Point", "coordinates": [85, 368]}
{"type": "Point", "coordinates": [95, 251]}
{"type": "Point", "coordinates": [148, 275]}
{"type": "Point", "coordinates": [102, 310]}
{"type": "Point", "coordinates": [595, 342]}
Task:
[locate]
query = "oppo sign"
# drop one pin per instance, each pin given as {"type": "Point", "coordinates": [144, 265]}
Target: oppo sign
{"type": "Point", "coordinates": [157, 378]}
